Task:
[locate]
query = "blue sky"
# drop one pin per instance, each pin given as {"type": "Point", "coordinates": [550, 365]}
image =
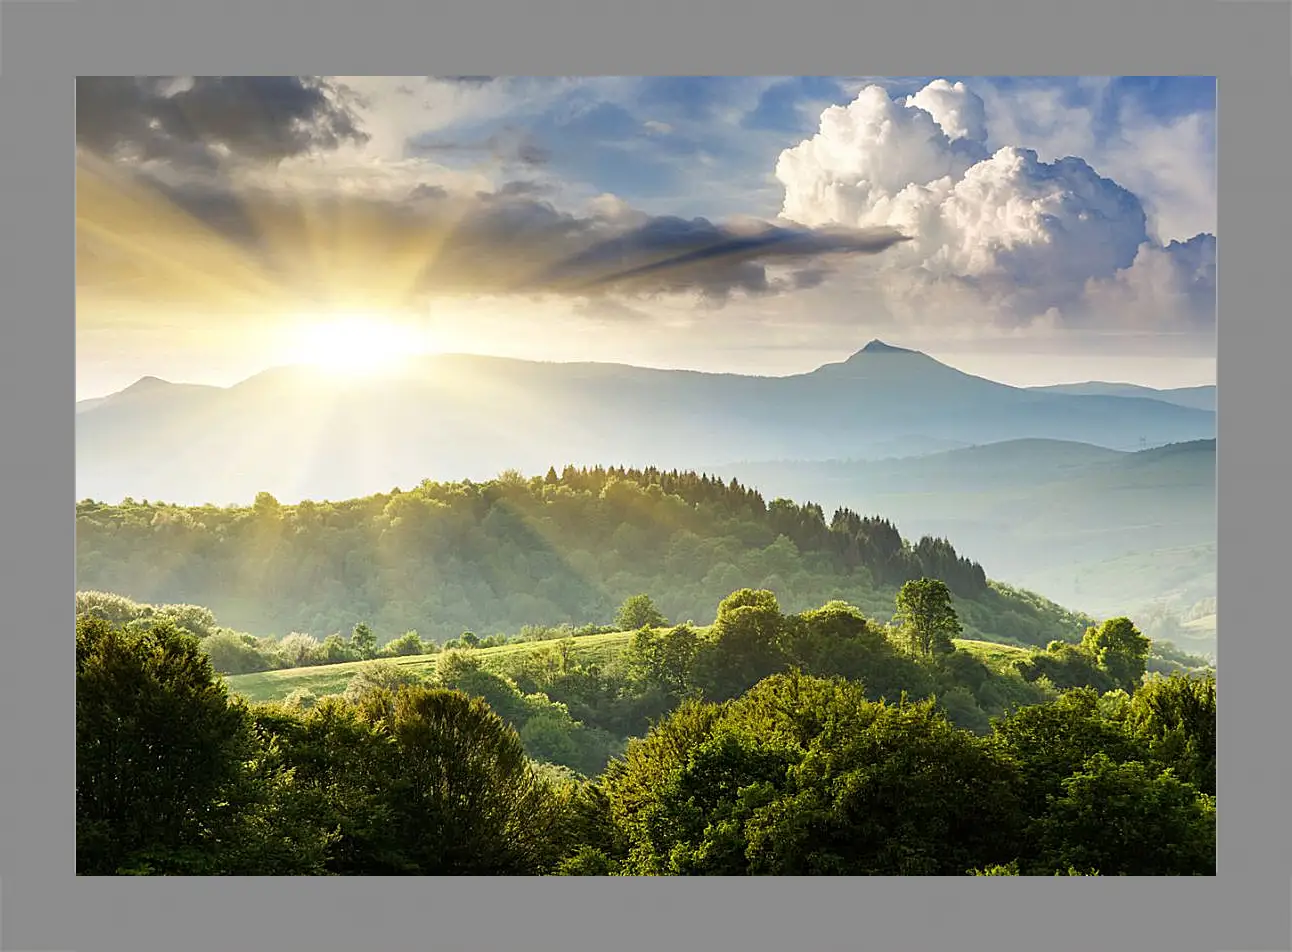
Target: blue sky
{"type": "Point", "coordinates": [1033, 229]}
{"type": "Point", "coordinates": [606, 136]}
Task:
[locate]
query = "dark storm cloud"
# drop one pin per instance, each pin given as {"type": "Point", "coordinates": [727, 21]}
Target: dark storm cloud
{"type": "Point", "coordinates": [511, 242]}
{"type": "Point", "coordinates": [189, 123]}
{"type": "Point", "coordinates": [669, 253]}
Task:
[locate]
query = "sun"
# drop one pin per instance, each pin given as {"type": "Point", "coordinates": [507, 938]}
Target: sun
{"type": "Point", "coordinates": [356, 345]}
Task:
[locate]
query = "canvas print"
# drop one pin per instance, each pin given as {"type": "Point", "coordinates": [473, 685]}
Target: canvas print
{"type": "Point", "coordinates": [646, 476]}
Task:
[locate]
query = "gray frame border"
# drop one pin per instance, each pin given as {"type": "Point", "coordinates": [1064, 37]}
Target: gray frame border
{"type": "Point", "coordinates": [1246, 907]}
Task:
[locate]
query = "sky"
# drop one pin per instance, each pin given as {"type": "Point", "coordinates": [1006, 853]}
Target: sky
{"type": "Point", "coordinates": [1032, 230]}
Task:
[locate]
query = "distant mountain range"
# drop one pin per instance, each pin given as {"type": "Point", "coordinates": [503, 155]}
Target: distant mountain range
{"type": "Point", "coordinates": [1200, 398]}
{"type": "Point", "coordinates": [301, 433]}
{"type": "Point", "coordinates": [1097, 529]}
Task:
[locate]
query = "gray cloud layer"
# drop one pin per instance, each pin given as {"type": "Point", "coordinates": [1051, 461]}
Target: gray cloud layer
{"type": "Point", "coordinates": [200, 121]}
{"type": "Point", "coordinates": [676, 253]}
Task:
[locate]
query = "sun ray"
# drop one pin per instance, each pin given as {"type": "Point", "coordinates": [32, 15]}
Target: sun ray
{"type": "Point", "coordinates": [166, 242]}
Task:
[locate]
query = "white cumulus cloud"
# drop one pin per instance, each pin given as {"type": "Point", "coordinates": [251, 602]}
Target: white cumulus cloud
{"type": "Point", "coordinates": [999, 234]}
{"type": "Point", "coordinates": [1166, 288]}
{"type": "Point", "coordinates": [959, 112]}
{"type": "Point", "coordinates": [864, 155]}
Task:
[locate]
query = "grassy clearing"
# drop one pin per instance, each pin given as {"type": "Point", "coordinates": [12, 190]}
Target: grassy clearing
{"type": "Point", "coordinates": [333, 678]}
{"type": "Point", "coordinates": [588, 649]}
{"type": "Point", "coordinates": [996, 656]}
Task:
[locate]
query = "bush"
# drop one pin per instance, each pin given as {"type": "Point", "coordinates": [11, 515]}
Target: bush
{"type": "Point", "coordinates": [378, 676]}
{"type": "Point", "coordinates": [232, 654]}
{"type": "Point", "coordinates": [409, 643]}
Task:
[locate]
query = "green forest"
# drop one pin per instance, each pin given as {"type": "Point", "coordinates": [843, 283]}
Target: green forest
{"type": "Point", "coordinates": [497, 557]}
{"type": "Point", "coordinates": [522, 688]}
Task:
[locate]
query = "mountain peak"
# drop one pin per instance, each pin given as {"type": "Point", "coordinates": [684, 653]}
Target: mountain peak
{"type": "Point", "coordinates": [146, 383]}
{"type": "Point", "coordinates": [877, 346]}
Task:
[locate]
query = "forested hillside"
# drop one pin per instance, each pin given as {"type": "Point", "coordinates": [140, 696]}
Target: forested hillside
{"type": "Point", "coordinates": [494, 557]}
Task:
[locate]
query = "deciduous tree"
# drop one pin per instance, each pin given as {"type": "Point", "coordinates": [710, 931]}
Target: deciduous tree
{"type": "Point", "coordinates": [927, 618]}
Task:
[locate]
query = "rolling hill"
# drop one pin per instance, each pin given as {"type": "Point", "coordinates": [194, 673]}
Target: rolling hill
{"type": "Point", "coordinates": [300, 433]}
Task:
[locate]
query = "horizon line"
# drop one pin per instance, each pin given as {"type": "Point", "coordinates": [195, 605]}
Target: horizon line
{"type": "Point", "coordinates": [889, 348]}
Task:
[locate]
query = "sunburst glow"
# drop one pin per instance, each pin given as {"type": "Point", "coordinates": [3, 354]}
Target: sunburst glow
{"type": "Point", "coordinates": [357, 345]}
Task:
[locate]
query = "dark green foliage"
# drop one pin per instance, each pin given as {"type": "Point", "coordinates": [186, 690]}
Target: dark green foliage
{"type": "Point", "coordinates": [159, 746]}
{"type": "Point", "coordinates": [838, 640]}
{"type": "Point", "coordinates": [743, 646]}
{"type": "Point", "coordinates": [664, 660]}
{"type": "Point", "coordinates": [546, 728]}
{"type": "Point", "coordinates": [464, 798]}
{"type": "Point", "coordinates": [420, 781]}
{"type": "Point", "coordinates": [1066, 666]}
{"type": "Point", "coordinates": [342, 766]}
{"type": "Point", "coordinates": [804, 776]}
{"type": "Point", "coordinates": [1011, 869]}
{"type": "Point", "coordinates": [793, 766]}
{"type": "Point", "coordinates": [1113, 656]}
{"type": "Point", "coordinates": [1175, 717]}
{"type": "Point", "coordinates": [1053, 741]}
{"type": "Point", "coordinates": [1120, 649]}
{"type": "Point", "coordinates": [588, 861]}
{"type": "Point", "coordinates": [167, 771]}
{"type": "Point", "coordinates": [1128, 819]}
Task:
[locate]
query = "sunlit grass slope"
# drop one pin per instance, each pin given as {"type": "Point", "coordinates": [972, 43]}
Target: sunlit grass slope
{"type": "Point", "coordinates": [589, 649]}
